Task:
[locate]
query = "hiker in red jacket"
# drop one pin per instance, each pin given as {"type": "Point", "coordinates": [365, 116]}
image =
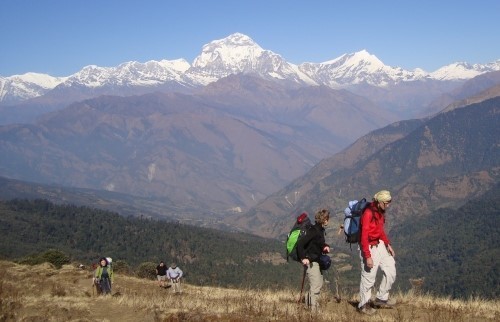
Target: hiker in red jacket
{"type": "Point", "coordinates": [376, 252]}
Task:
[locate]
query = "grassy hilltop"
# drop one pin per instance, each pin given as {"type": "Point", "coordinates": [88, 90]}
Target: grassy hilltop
{"type": "Point", "coordinates": [44, 293]}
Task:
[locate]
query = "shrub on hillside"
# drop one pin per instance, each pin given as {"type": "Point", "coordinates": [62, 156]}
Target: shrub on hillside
{"type": "Point", "coordinates": [146, 270]}
{"type": "Point", "coordinates": [121, 267]}
{"type": "Point", "coordinates": [52, 256]}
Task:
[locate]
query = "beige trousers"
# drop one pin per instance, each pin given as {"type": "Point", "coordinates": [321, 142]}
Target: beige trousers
{"type": "Point", "coordinates": [315, 283]}
{"type": "Point", "coordinates": [176, 285]}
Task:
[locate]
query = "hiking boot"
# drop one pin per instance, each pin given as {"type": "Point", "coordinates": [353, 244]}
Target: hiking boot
{"type": "Point", "coordinates": [384, 304]}
{"type": "Point", "coordinates": [367, 309]}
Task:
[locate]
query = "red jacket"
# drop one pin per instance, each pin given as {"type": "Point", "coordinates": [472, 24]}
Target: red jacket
{"type": "Point", "coordinates": [372, 229]}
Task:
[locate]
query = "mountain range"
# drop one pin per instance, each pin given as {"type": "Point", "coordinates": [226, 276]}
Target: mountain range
{"type": "Point", "coordinates": [222, 134]}
{"type": "Point", "coordinates": [235, 54]}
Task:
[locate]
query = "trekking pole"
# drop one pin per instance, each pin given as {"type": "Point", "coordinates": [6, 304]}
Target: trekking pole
{"type": "Point", "coordinates": [337, 297]}
{"type": "Point", "coordinates": [302, 287]}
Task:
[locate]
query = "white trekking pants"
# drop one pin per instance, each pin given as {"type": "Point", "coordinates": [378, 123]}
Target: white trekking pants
{"type": "Point", "coordinates": [384, 260]}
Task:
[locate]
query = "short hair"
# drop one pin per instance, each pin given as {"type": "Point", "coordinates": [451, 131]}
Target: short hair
{"type": "Point", "coordinates": [322, 216]}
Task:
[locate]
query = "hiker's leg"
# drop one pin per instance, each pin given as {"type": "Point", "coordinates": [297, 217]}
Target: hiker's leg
{"type": "Point", "coordinates": [106, 289]}
{"type": "Point", "coordinates": [98, 287]}
{"type": "Point", "coordinates": [178, 285]}
{"type": "Point", "coordinates": [388, 267]}
{"type": "Point", "coordinates": [368, 277]}
{"type": "Point", "coordinates": [315, 283]}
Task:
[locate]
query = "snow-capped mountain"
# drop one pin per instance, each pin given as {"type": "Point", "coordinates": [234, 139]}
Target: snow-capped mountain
{"type": "Point", "coordinates": [22, 87]}
{"type": "Point", "coordinates": [238, 53]}
{"type": "Point", "coordinates": [150, 73]}
{"type": "Point", "coordinates": [464, 70]}
{"type": "Point", "coordinates": [234, 54]}
{"type": "Point", "coordinates": [356, 68]}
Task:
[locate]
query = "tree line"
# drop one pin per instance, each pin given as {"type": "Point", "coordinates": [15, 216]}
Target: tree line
{"type": "Point", "coordinates": [29, 228]}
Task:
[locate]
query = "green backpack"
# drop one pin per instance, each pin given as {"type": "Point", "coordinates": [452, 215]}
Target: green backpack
{"type": "Point", "coordinates": [298, 230]}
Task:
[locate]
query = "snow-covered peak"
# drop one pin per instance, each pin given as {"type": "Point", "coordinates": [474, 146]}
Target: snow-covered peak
{"type": "Point", "coordinates": [356, 68]}
{"type": "Point", "coordinates": [17, 88]}
{"type": "Point", "coordinates": [41, 80]}
{"type": "Point", "coordinates": [463, 70]}
{"type": "Point", "coordinates": [236, 51]}
{"type": "Point", "coordinates": [180, 65]}
{"type": "Point", "coordinates": [131, 73]}
{"type": "Point", "coordinates": [360, 58]}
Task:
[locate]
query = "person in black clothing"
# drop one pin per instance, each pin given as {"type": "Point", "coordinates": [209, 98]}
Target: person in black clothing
{"type": "Point", "coordinates": [309, 249]}
{"type": "Point", "coordinates": [161, 274]}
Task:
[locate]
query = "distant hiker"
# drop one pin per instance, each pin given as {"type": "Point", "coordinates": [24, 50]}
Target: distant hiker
{"type": "Point", "coordinates": [376, 251]}
{"type": "Point", "coordinates": [174, 273]}
{"type": "Point", "coordinates": [161, 274]}
{"type": "Point", "coordinates": [103, 276]}
{"type": "Point", "coordinates": [309, 250]}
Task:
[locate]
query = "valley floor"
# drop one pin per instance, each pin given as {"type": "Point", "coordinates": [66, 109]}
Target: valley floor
{"type": "Point", "coordinates": [43, 293]}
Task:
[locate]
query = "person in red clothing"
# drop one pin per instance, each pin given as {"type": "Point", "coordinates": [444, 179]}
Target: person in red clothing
{"type": "Point", "coordinates": [376, 252]}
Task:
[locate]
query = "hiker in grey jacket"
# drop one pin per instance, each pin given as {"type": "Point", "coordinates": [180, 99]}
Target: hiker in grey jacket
{"type": "Point", "coordinates": [174, 273]}
{"type": "Point", "coordinates": [309, 250]}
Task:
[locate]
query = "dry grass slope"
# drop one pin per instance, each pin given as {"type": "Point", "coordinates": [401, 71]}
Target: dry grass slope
{"type": "Point", "coordinates": [42, 293]}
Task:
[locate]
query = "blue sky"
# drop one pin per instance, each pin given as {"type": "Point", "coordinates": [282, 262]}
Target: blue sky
{"type": "Point", "coordinates": [60, 37]}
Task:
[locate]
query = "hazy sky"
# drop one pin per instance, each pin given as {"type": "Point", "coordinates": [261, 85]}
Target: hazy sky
{"type": "Point", "coordinates": [60, 37]}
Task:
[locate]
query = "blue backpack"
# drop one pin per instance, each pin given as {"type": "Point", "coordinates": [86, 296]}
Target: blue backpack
{"type": "Point", "coordinates": [352, 220]}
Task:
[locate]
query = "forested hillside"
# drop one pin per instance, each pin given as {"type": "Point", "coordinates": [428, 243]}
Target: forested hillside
{"type": "Point", "coordinates": [208, 257]}
{"type": "Point", "coordinates": [456, 251]}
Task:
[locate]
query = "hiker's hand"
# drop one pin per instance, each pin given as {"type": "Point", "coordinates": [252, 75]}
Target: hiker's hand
{"type": "Point", "coordinates": [326, 250]}
{"type": "Point", "coordinates": [391, 251]}
{"type": "Point", "coordinates": [369, 262]}
{"type": "Point", "coordinates": [305, 262]}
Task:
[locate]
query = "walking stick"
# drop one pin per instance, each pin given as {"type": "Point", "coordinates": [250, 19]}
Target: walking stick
{"type": "Point", "coordinates": [337, 297]}
{"type": "Point", "coordinates": [302, 287]}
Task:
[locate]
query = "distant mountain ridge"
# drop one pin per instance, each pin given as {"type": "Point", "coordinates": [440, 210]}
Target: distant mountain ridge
{"type": "Point", "coordinates": [229, 145]}
{"type": "Point", "coordinates": [234, 54]}
{"type": "Point", "coordinates": [440, 162]}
